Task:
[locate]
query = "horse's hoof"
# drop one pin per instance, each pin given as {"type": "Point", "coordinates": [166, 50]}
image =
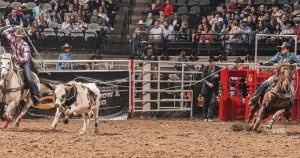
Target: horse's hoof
{"type": "Point", "coordinates": [269, 126]}
{"type": "Point", "coordinates": [52, 128]}
{"type": "Point", "coordinates": [17, 125]}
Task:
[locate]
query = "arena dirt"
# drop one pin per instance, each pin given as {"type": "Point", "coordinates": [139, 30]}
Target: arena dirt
{"type": "Point", "coordinates": [146, 138]}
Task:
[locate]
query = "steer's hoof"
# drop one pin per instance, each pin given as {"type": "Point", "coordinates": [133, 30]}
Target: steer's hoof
{"type": "Point", "coordinates": [269, 126]}
{"type": "Point", "coordinates": [52, 127]}
{"type": "Point", "coordinates": [66, 121]}
{"type": "Point", "coordinates": [82, 132]}
{"type": "Point", "coordinates": [17, 124]}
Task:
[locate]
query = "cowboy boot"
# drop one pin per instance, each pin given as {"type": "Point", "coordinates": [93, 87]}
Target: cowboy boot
{"type": "Point", "coordinates": [253, 100]}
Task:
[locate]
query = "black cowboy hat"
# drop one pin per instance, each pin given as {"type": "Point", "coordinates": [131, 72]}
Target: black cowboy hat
{"type": "Point", "coordinates": [212, 58]}
{"type": "Point", "coordinates": [239, 60]}
{"type": "Point", "coordinates": [285, 44]}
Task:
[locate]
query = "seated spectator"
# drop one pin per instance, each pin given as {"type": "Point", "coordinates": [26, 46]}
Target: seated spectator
{"type": "Point", "coordinates": [97, 19]}
{"type": "Point", "coordinates": [176, 22]}
{"type": "Point", "coordinates": [206, 35]}
{"type": "Point", "coordinates": [227, 19]}
{"type": "Point", "coordinates": [261, 13]}
{"type": "Point", "coordinates": [2, 21]}
{"type": "Point", "coordinates": [197, 33]}
{"type": "Point", "coordinates": [204, 21]}
{"type": "Point", "coordinates": [275, 4]}
{"type": "Point", "coordinates": [150, 21]}
{"type": "Point", "coordinates": [234, 33]}
{"type": "Point", "coordinates": [262, 29]}
{"type": "Point", "coordinates": [218, 27]}
{"type": "Point", "coordinates": [289, 28]}
{"type": "Point", "coordinates": [234, 6]}
{"type": "Point", "coordinates": [86, 12]}
{"type": "Point", "coordinates": [297, 31]}
{"type": "Point", "coordinates": [13, 18]}
{"type": "Point", "coordinates": [55, 18]}
{"type": "Point", "coordinates": [80, 24]}
{"type": "Point", "coordinates": [161, 21]}
{"type": "Point", "coordinates": [46, 15]}
{"type": "Point", "coordinates": [267, 20]}
{"type": "Point", "coordinates": [42, 23]}
{"type": "Point", "coordinates": [297, 5]}
{"type": "Point", "coordinates": [251, 24]}
{"type": "Point", "coordinates": [168, 8]}
{"type": "Point", "coordinates": [156, 32]}
{"type": "Point", "coordinates": [168, 31]}
{"type": "Point", "coordinates": [245, 30]}
{"type": "Point", "coordinates": [35, 31]}
{"type": "Point", "coordinates": [36, 11]}
{"type": "Point", "coordinates": [281, 20]}
{"type": "Point", "coordinates": [23, 10]}
{"type": "Point", "coordinates": [93, 5]}
{"type": "Point", "coordinates": [73, 19]}
{"type": "Point", "coordinates": [184, 32]}
{"type": "Point", "coordinates": [103, 14]}
{"type": "Point", "coordinates": [272, 25]}
{"type": "Point", "coordinates": [155, 8]}
{"type": "Point", "coordinates": [213, 20]}
{"type": "Point", "coordinates": [27, 21]}
{"type": "Point", "coordinates": [65, 55]}
{"type": "Point", "coordinates": [67, 25]}
{"type": "Point", "coordinates": [74, 6]}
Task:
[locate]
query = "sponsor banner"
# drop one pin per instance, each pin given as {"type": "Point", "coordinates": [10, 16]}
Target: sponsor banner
{"type": "Point", "coordinates": [113, 86]}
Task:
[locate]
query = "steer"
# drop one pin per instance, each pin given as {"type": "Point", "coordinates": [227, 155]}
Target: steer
{"type": "Point", "coordinates": [77, 98]}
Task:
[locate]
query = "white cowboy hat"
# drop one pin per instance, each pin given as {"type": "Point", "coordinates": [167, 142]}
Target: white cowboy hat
{"type": "Point", "coordinates": [19, 33]}
{"type": "Point", "coordinates": [141, 22]}
{"type": "Point", "coordinates": [66, 45]}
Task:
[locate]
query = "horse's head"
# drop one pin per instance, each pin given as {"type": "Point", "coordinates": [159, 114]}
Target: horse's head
{"type": "Point", "coordinates": [6, 64]}
{"type": "Point", "coordinates": [284, 75]}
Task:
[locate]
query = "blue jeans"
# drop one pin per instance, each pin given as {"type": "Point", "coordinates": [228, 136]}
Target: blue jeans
{"type": "Point", "coordinates": [209, 105]}
{"type": "Point", "coordinates": [265, 85]}
{"type": "Point", "coordinates": [28, 78]}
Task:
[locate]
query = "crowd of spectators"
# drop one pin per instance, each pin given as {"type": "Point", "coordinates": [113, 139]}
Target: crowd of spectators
{"type": "Point", "coordinates": [233, 22]}
{"type": "Point", "coordinates": [65, 15]}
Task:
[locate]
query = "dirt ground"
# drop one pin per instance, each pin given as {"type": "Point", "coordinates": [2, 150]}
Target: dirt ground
{"type": "Point", "coordinates": [146, 138]}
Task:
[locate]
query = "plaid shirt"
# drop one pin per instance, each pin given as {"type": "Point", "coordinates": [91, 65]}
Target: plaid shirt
{"type": "Point", "coordinates": [21, 49]}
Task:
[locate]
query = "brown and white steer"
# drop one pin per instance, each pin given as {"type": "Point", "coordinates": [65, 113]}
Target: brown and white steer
{"type": "Point", "coordinates": [77, 98]}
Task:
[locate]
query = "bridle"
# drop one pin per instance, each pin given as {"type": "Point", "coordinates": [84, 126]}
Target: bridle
{"type": "Point", "coordinates": [7, 69]}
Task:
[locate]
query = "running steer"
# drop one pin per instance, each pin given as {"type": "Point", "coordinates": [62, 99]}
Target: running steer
{"type": "Point", "coordinates": [77, 98]}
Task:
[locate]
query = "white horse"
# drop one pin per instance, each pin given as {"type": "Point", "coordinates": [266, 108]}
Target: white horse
{"type": "Point", "coordinates": [13, 90]}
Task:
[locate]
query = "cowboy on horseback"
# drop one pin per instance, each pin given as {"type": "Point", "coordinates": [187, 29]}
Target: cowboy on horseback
{"type": "Point", "coordinates": [21, 55]}
{"type": "Point", "coordinates": [285, 55]}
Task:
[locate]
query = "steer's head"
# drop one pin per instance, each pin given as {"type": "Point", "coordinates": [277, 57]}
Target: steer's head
{"type": "Point", "coordinates": [60, 94]}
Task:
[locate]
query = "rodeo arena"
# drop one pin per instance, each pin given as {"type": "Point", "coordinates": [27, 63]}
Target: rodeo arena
{"type": "Point", "coordinates": [149, 78]}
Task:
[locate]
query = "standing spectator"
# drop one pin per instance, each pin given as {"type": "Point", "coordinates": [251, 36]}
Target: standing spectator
{"type": "Point", "coordinates": [176, 22]}
{"type": "Point", "coordinates": [210, 88]}
{"type": "Point", "coordinates": [218, 27]}
{"type": "Point", "coordinates": [156, 32]}
{"type": "Point", "coordinates": [36, 11]}
{"type": "Point", "coordinates": [139, 37]}
{"type": "Point", "coordinates": [197, 33]}
{"type": "Point", "coordinates": [168, 8]}
{"type": "Point", "coordinates": [206, 35]}
{"type": "Point", "coordinates": [65, 55]}
{"type": "Point", "coordinates": [149, 21]}
{"type": "Point", "coordinates": [149, 53]}
{"type": "Point", "coordinates": [13, 18]}
{"type": "Point", "coordinates": [297, 5]}
{"type": "Point", "coordinates": [168, 31]}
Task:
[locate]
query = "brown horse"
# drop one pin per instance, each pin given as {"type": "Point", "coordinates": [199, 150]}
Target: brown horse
{"type": "Point", "coordinates": [275, 100]}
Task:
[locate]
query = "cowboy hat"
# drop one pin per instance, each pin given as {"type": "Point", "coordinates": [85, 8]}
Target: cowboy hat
{"type": "Point", "coordinates": [239, 60]}
{"type": "Point", "coordinates": [19, 33]}
{"type": "Point", "coordinates": [212, 58]}
{"type": "Point", "coordinates": [140, 22]}
{"type": "Point", "coordinates": [285, 44]}
{"type": "Point", "coordinates": [66, 45]}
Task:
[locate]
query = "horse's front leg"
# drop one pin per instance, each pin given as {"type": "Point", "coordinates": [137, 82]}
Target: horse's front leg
{"type": "Point", "coordinates": [259, 117]}
{"type": "Point", "coordinates": [29, 103]}
{"type": "Point", "coordinates": [85, 123]}
{"type": "Point", "coordinates": [253, 110]}
{"type": "Point", "coordinates": [274, 118]}
{"type": "Point", "coordinates": [9, 113]}
{"type": "Point", "coordinates": [56, 118]}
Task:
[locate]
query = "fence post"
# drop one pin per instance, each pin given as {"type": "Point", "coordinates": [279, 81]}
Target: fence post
{"type": "Point", "coordinates": [132, 86]}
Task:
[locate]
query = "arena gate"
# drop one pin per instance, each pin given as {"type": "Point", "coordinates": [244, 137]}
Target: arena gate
{"type": "Point", "coordinates": [232, 106]}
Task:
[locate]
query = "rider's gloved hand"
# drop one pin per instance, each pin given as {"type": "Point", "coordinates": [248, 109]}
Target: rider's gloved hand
{"type": "Point", "coordinates": [261, 63]}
